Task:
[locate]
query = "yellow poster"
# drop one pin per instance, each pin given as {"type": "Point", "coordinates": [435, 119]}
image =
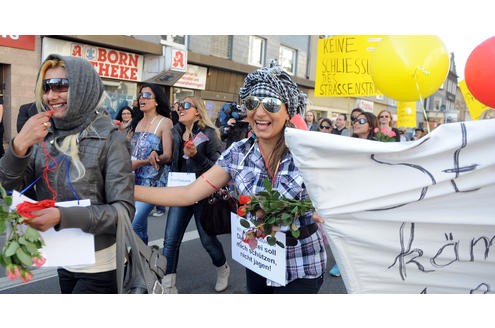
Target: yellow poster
{"type": "Point", "coordinates": [406, 114]}
{"type": "Point", "coordinates": [342, 66]}
{"type": "Point", "coordinates": [474, 106]}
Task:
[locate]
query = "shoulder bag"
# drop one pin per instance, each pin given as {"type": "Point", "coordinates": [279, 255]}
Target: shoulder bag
{"type": "Point", "coordinates": [215, 218]}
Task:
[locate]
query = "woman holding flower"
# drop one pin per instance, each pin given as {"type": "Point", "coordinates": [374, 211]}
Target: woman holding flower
{"type": "Point", "coordinates": [385, 125]}
{"type": "Point", "coordinates": [271, 98]}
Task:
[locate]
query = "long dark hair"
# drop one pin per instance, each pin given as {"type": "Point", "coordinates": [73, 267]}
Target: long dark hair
{"type": "Point", "coordinates": [163, 107]}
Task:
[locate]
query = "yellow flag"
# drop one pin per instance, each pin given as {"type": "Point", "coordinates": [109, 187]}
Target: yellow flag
{"type": "Point", "coordinates": [475, 107]}
{"type": "Point", "coordinates": [406, 114]}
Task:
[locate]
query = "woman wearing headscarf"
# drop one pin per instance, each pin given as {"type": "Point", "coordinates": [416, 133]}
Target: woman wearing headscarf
{"type": "Point", "coordinates": [73, 145]}
{"type": "Point", "coordinates": [271, 99]}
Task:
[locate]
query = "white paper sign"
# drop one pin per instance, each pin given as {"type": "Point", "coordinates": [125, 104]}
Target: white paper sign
{"type": "Point", "coordinates": [177, 179]}
{"type": "Point", "coordinates": [408, 217]}
{"type": "Point", "coordinates": [67, 246]}
{"type": "Point", "coordinates": [267, 261]}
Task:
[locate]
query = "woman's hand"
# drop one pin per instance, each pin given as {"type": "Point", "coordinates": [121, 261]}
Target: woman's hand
{"type": "Point", "coordinates": [317, 218]}
{"type": "Point", "coordinates": [33, 131]}
{"type": "Point", "coordinates": [190, 149]}
{"type": "Point", "coordinates": [44, 219]}
{"type": "Point", "coordinates": [154, 159]}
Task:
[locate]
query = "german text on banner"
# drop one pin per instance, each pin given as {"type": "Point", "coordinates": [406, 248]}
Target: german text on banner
{"type": "Point", "coordinates": [406, 217]}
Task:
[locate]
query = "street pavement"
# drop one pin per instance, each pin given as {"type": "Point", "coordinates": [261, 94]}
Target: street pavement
{"type": "Point", "coordinates": [195, 272]}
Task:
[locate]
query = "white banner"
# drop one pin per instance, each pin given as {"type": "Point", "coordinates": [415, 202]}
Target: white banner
{"type": "Point", "coordinates": [409, 217]}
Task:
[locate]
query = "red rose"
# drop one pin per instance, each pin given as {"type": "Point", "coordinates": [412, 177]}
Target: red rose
{"type": "Point", "coordinates": [244, 199]}
{"type": "Point", "coordinates": [241, 211]}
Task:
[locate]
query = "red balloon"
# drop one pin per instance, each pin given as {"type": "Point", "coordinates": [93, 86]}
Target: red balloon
{"type": "Point", "coordinates": [298, 121]}
{"type": "Point", "coordinates": [479, 72]}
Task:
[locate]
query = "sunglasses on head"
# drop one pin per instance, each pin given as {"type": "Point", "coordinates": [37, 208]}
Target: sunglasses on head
{"type": "Point", "coordinates": [186, 105]}
{"type": "Point", "coordinates": [56, 85]}
{"type": "Point", "coordinates": [325, 127]}
{"type": "Point", "coordinates": [361, 121]}
{"type": "Point", "coordinates": [270, 104]}
{"type": "Point", "coordinates": [146, 95]}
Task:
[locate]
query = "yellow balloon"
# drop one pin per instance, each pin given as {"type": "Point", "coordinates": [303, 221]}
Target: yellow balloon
{"type": "Point", "coordinates": [409, 67]}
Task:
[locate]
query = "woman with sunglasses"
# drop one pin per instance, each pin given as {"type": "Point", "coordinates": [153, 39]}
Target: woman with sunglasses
{"type": "Point", "coordinates": [151, 149]}
{"type": "Point", "coordinates": [364, 126]}
{"type": "Point", "coordinates": [385, 124]}
{"type": "Point", "coordinates": [325, 125]}
{"type": "Point", "coordinates": [193, 157]}
{"type": "Point", "coordinates": [74, 148]}
{"type": "Point", "coordinates": [271, 99]}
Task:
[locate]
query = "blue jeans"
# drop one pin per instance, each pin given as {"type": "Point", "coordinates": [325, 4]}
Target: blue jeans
{"type": "Point", "coordinates": [140, 221]}
{"type": "Point", "coordinates": [177, 221]}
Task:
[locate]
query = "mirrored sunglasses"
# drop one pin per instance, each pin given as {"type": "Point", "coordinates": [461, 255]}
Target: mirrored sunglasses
{"type": "Point", "coordinates": [146, 95]}
{"type": "Point", "coordinates": [56, 85]}
{"type": "Point", "coordinates": [186, 105]}
{"type": "Point", "coordinates": [270, 104]}
{"type": "Point", "coordinates": [361, 121]}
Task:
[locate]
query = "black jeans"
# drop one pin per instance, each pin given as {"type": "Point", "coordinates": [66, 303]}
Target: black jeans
{"type": "Point", "coordinates": [256, 284]}
{"type": "Point", "coordinates": [87, 283]}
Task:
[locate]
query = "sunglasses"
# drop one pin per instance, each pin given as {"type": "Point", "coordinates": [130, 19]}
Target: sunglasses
{"type": "Point", "coordinates": [146, 95]}
{"type": "Point", "coordinates": [270, 104]}
{"type": "Point", "coordinates": [325, 127]}
{"type": "Point", "coordinates": [56, 85]}
{"type": "Point", "coordinates": [186, 105]}
{"type": "Point", "coordinates": [361, 121]}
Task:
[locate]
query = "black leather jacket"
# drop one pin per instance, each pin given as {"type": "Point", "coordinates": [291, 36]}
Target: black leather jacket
{"type": "Point", "coordinates": [108, 182]}
{"type": "Point", "coordinates": [208, 152]}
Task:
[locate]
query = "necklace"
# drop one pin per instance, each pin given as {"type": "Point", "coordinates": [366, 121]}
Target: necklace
{"type": "Point", "coordinates": [267, 165]}
{"type": "Point", "coordinates": [149, 125]}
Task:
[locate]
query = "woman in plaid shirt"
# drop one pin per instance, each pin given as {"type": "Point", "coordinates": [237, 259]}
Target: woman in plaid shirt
{"type": "Point", "coordinates": [271, 99]}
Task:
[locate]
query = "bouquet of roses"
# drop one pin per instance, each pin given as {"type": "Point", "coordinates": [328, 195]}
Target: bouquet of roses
{"type": "Point", "coordinates": [22, 245]}
{"type": "Point", "coordinates": [268, 211]}
{"type": "Point", "coordinates": [384, 135]}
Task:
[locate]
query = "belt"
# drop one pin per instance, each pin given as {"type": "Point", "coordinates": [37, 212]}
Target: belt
{"type": "Point", "coordinates": [304, 232]}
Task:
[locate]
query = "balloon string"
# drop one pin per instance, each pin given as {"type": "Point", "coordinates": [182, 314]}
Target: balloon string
{"type": "Point", "coordinates": [421, 97]}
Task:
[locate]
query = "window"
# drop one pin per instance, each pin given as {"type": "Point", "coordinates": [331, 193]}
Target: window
{"type": "Point", "coordinates": [287, 59]}
{"type": "Point", "coordinates": [256, 51]}
{"type": "Point", "coordinates": [178, 41]}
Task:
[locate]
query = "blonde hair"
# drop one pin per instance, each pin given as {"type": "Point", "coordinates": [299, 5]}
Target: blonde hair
{"type": "Point", "coordinates": [487, 114]}
{"type": "Point", "coordinates": [389, 113]}
{"type": "Point", "coordinates": [204, 118]}
{"type": "Point", "coordinates": [38, 91]}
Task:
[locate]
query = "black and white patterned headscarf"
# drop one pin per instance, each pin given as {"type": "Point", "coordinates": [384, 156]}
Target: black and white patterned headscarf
{"type": "Point", "coordinates": [273, 81]}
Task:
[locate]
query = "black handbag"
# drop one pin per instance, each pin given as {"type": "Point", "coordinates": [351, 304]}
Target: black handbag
{"type": "Point", "coordinates": [140, 268]}
{"type": "Point", "coordinates": [215, 218]}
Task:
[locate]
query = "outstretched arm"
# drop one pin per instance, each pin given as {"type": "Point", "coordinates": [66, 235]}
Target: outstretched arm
{"type": "Point", "coordinates": [186, 195]}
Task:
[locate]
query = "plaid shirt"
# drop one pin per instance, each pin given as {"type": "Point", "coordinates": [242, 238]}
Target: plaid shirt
{"type": "Point", "coordinates": [308, 258]}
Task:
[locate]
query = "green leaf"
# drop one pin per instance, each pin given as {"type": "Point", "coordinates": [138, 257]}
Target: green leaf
{"type": "Point", "coordinates": [11, 248]}
{"type": "Point", "coordinates": [23, 257]}
{"type": "Point", "coordinates": [30, 248]}
{"type": "Point", "coordinates": [271, 241]}
{"type": "Point", "coordinates": [279, 243]}
{"type": "Point", "coordinates": [295, 233]}
{"type": "Point", "coordinates": [32, 234]}
{"type": "Point", "coordinates": [245, 223]}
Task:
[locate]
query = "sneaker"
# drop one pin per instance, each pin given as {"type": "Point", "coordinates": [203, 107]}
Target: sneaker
{"type": "Point", "coordinates": [157, 213]}
{"type": "Point", "coordinates": [335, 271]}
{"type": "Point", "coordinates": [223, 274]}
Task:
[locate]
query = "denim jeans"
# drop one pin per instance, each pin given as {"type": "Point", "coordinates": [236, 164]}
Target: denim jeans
{"type": "Point", "coordinates": [177, 221]}
{"type": "Point", "coordinates": [256, 284]}
{"type": "Point", "coordinates": [140, 221]}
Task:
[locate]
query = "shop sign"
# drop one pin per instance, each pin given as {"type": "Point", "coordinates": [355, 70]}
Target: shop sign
{"type": "Point", "coordinates": [109, 63]}
{"type": "Point", "coordinates": [18, 41]}
{"type": "Point", "coordinates": [194, 78]}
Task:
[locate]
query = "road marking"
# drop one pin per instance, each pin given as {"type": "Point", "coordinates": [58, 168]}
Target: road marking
{"type": "Point", "coordinates": [48, 273]}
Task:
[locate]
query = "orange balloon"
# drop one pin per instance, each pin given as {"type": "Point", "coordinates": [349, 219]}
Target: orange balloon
{"type": "Point", "coordinates": [479, 72]}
